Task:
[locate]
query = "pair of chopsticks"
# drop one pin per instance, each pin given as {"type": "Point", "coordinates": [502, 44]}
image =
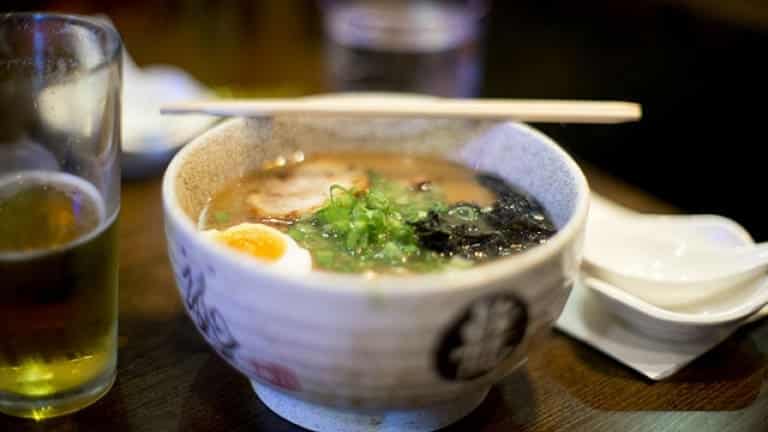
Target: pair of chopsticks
{"type": "Point", "coordinates": [533, 111]}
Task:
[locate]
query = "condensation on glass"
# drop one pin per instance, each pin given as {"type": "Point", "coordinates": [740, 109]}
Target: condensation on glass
{"type": "Point", "coordinates": [60, 79]}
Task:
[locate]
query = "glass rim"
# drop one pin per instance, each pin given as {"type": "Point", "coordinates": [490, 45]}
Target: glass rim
{"type": "Point", "coordinates": [478, 9]}
{"type": "Point", "coordinates": [89, 22]}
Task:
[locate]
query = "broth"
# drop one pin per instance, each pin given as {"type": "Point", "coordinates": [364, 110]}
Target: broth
{"type": "Point", "coordinates": [229, 206]}
{"type": "Point", "coordinates": [379, 212]}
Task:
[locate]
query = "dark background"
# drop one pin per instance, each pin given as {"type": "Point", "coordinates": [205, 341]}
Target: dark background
{"type": "Point", "coordinates": [695, 65]}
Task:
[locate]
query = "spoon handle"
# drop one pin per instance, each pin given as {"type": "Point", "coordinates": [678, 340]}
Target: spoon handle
{"type": "Point", "coordinates": [758, 254]}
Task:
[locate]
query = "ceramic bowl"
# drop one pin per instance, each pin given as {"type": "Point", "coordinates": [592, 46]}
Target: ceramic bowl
{"type": "Point", "coordinates": [344, 352]}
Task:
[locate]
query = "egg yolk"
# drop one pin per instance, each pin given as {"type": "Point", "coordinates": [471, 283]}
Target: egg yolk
{"type": "Point", "coordinates": [256, 242]}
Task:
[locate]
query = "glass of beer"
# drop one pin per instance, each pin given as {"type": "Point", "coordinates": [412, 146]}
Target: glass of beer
{"type": "Point", "coordinates": [60, 81]}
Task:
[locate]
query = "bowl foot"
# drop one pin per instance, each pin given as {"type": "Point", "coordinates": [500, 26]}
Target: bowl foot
{"type": "Point", "coordinates": [320, 418]}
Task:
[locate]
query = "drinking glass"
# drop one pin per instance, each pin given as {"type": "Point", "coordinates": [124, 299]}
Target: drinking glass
{"type": "Point", "coordinates": [60, 83]}
{"type": "Point", "coordinates": [421, 46]}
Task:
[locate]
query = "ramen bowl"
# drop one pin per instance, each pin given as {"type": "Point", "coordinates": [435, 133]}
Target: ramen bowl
{"type": "Point", "coordinates": [342, 352]}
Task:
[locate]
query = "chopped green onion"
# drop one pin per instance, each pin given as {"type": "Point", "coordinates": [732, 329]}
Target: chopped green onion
{"type": "Point", "coordinates": [356, 231]}
{"type": "Point", "coordinates": [221, 217]}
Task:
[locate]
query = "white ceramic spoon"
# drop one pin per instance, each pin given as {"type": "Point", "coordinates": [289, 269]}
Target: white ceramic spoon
{"type": "Point", "coordinates": [675, 262]}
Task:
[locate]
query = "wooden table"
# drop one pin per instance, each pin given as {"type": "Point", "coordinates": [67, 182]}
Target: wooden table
{"type": "Point", "coordinates": [169, 380]}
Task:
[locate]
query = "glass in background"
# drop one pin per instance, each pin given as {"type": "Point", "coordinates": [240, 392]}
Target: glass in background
{"type": "Point", "coordinates": [420, 46]}
{"type": "Point", "coordinates": [60, 81]}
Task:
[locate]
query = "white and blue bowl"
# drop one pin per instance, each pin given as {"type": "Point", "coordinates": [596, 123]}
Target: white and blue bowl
{"type": "Point", "coordinates": [348, 353]}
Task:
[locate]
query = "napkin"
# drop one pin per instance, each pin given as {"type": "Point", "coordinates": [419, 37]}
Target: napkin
{"type": "Point", "coordinates": [149, 139]}
{"type": "Point", "coordinates": [145, 90]}
{"type": "Point", "coordinates": [586, 319]}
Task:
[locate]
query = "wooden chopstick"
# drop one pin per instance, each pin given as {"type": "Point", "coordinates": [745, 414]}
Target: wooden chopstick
{"type": "Point", "coordinates": [534, 111]}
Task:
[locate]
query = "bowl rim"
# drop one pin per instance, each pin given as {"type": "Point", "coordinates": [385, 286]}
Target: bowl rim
{"type": "Point", "coordinates": [487, 274]}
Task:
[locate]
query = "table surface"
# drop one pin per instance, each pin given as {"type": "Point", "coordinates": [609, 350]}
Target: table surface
{"type": "Point", "coordinates": [169, 380]}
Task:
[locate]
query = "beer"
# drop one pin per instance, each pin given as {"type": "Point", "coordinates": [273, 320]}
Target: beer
{"type": "Point", "coordinates": [58, 293]}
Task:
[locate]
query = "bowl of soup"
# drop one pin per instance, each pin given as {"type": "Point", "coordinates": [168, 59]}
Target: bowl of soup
{"type": "Point", "coordinates": [373, 274]}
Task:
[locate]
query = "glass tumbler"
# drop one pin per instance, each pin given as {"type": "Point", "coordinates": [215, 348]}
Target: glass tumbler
{"type": "Point", "coordinates": [419, 46]}
{"type": "Point", "coordinates": [60, 83]}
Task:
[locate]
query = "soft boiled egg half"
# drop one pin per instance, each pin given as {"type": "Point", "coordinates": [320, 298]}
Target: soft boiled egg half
{"type": "Point", "coordinates": [266, 244]}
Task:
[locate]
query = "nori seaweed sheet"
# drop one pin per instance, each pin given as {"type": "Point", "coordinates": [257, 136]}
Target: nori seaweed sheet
{"type": "Point", "coordinates": [515, 222]}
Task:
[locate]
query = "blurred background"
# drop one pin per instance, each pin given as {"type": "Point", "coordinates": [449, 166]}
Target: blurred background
{"type": "Point", "coordinates": [695, 65]}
